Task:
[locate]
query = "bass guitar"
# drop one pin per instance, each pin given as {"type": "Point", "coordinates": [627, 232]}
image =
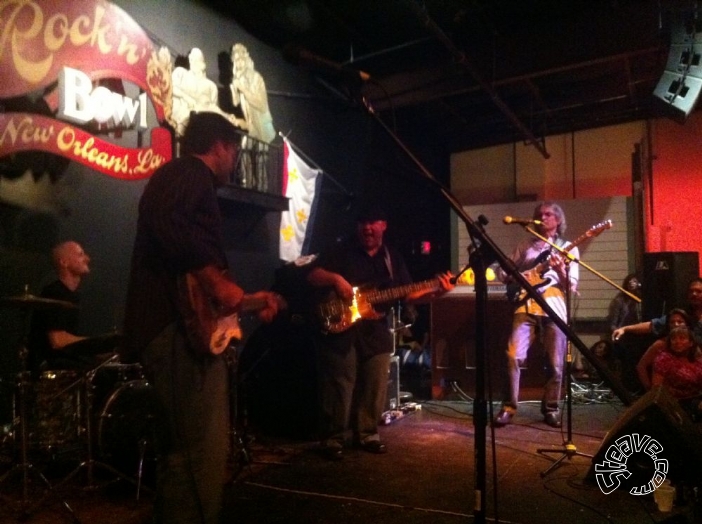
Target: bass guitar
{"type": "Point", "coordinates": [337, 315]}
{"type": "Point", "coordinates": [209, 330]}
{"type": "Point", "coordinates": [535, 276]}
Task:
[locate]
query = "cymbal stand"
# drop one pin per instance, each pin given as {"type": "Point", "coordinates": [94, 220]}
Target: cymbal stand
{"type": "Point", "coordinates": [25, 467]}
{"type": "Point", "coordinates": [90, 464]}
{"type": "Point", "coordinates": [569, 449]}
{"type": "Point", "coordinates": [240, 452]}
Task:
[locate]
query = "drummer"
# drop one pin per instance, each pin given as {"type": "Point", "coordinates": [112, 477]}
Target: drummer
{"type": "Point", "coordinates": [53, 330]}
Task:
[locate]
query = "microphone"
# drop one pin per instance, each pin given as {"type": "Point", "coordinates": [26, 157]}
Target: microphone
{"type": "Point", "coordinates": [521, 221]}
{"type": "Point", "coordinates": [302, 57]}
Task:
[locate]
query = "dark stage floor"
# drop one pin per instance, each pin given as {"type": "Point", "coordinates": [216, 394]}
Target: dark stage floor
{"type": "Point", "coordinates": [427, 476]}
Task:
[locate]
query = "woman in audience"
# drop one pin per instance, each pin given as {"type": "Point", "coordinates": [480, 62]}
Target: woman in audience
{"type": "Point", "coordinates": [675, 318]}
{"type": "Point", "coordinates": [679, 369]}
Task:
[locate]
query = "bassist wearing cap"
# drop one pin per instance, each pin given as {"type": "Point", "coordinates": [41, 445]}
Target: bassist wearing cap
{"type": "Point", "coordinates": [546, 271]}
{"type": "Point", "coordinates": [355, 345]}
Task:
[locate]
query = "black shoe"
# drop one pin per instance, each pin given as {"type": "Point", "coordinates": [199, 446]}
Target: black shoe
{"type": "Point", "coordinates": [373, 446]}
{"type": "Point", "coordinates": [503, 418]}
{"type": "Point", "coordinates": [332, 453]}
{"type": "Point", "coordinates": [553, 419]}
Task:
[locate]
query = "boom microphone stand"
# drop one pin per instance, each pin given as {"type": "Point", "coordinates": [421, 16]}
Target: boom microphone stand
{"type": "Point", "coordinates": [569, 449]}
{"type": "Point", "coordinates": [487, 251]}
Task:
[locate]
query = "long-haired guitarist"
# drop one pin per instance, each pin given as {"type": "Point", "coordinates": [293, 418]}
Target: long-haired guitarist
{"type": "Point", "coordinates": [355, 345]}
{"type": "Point", "coordinates": [546, 271]}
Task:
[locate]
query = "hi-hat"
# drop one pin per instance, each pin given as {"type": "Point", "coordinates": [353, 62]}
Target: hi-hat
{"type": "Point", "coordinates": [27, 300]}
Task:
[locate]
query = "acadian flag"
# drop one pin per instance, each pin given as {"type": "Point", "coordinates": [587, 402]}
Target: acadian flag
{"type": "Point", "coordinates": [300, 186]}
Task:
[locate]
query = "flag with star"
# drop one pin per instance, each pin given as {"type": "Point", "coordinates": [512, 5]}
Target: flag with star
{"type": "Point", "coordinates": [300, 186]}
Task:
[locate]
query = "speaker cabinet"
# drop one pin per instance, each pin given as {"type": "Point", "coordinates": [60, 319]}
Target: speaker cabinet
{"type": "Point", "coordinates": [665, 280]}
{"type": "Point", "coordinates": [657, 415]}
{"type": "Point", "coordinates": [679, 88]}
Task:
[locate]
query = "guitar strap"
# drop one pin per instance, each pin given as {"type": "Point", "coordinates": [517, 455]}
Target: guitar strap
{"type": "Point", "coordinates": [388, 262]}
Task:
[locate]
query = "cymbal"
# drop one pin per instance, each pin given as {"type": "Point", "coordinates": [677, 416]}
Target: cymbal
{"type": "Point", "coordinates": [28, 300]}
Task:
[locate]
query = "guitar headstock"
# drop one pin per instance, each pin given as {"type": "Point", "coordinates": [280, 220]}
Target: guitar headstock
{"type": "Point", "coordinates": [599, 228]}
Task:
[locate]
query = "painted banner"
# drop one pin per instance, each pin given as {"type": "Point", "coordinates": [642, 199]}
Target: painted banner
{"type": "Point", "coordinates": [46, 48]}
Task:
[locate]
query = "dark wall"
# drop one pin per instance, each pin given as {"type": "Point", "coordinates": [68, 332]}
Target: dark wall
{"type": "Point", "coordinates": [100, 212]}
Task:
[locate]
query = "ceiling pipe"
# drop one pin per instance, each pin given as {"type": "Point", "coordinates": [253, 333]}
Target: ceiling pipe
{"type": "Point", "coordinates": [460, 58]}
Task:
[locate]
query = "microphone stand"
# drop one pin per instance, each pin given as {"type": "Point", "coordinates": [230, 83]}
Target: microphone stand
{"type": "Point", "coordinates": [569, 449]}
{"type": "Point", "coordinates": [487, 251]}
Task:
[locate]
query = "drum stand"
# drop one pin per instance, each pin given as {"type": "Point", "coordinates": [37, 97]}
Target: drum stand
{"type": "Point", "coordinates": [25, 467]}
{"type": "Point", "coordinates": [90, 464]}
{"type": "Point", "coordinates": [240, 451]}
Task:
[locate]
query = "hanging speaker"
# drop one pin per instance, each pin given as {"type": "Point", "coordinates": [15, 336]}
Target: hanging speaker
{"type": "Point", "coordinates": [666, 277]}
{"type": "Point", "coordinates": [680, 85]}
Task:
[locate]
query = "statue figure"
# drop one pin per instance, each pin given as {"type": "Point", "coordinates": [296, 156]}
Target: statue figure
{"type": "Point", "coordinates": [193, 91]}
{"type": "Point", "coordinates": [249, 92]}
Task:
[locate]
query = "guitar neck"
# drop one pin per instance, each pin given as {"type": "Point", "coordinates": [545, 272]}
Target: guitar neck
{"type": "Point", "coordinates": [395, 293]}
{"type": "Point", "coordinates": [251, 305]}
{"type": "Point", "coordinates": [590, 233]}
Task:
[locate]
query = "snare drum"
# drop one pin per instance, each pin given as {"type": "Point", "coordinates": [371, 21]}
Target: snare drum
{"type": "Point", "coordinates": [57, 410]}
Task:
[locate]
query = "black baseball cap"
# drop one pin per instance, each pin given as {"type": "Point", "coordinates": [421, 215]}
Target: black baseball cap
{"type": "Point", "coordinates": [371, 213]}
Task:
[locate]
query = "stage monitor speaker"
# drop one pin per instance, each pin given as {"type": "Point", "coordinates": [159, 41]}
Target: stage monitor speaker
{"type": "Point", "coordinates": [393, 399]}
{"type": "Point", "coordinates": [666, 276]}
{"type": "Point", "coordinates": [657, 415]}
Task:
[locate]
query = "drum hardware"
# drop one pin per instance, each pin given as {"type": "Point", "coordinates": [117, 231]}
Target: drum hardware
{"type": "Point", "coordinates": [240, 452]}
{"type": "Point", "coordinates": [90, 464]}
{"type": "Point", "coordinates": [25, 468]}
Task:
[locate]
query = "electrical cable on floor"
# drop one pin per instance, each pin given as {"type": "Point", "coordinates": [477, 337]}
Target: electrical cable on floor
{"type": "Point", "coordinates": [365, 501]}
{"type": "Point", "coordinates": [587, 506]}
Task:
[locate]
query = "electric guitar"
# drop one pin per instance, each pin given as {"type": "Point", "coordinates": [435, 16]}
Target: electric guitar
{"type": "Point", "coordinates": [535, 276]}
{"type": "Point", "coordinates": [209, 330]}
{"type": "Point", "coordinates": [337, 315]}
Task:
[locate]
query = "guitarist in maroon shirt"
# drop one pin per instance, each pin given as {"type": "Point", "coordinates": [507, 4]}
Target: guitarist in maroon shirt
{"type": "Point", "coordinates": [178, 249]}
{"type": "Point", "coordinates": [354, 358]}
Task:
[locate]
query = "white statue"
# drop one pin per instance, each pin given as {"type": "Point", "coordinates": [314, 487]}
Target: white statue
{"type": "Point", "coordinates": [249, 93]}
{"type": "Point", "coordinates": [193, 91]}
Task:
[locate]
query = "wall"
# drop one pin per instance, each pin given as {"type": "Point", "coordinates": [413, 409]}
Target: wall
{"type": "Point", "coordinates": [598, 163]}
{"type": "Point", "coordinates": [100, 212]}
{"type": "Point", "coordinates": [675, 188]}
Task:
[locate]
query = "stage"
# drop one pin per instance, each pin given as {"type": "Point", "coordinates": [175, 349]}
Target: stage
{"type": "Point", "coordinates": [426, 476]}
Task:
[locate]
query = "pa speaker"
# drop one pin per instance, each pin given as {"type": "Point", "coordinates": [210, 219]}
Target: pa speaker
{"type": "Point", "coordinates": [666, 276]}
{"type": "Point", "coordinates": [659, 416]}
{"type": "Point", "coordinates": [679, 88]}
{"type": "Point", "coordinates": [677, 94]}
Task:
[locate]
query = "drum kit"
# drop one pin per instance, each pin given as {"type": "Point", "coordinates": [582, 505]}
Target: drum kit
{"type": "Point", "coordinates": [106, 412]}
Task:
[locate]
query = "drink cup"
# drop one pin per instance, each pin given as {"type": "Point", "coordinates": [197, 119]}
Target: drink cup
{"type": "Point", "coordinates": [664, 496]}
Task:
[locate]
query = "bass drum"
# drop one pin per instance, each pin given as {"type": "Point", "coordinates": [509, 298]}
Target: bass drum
{"type": "Point", "coordinates": [128, 427]}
